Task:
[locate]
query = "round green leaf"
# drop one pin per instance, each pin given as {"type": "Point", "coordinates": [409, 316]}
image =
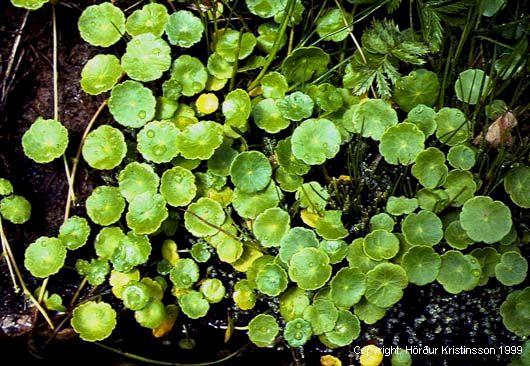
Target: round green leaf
{"type": "Point", "coordinates": [190, 73]}
{"type": "Point", "coordinates": [294, 241]}
{"type": "Point", "coordinates": [472, 85]}
{"type": "Point", "coordinates": [262, 330]}
{"type": "Point", "coordinates": [45, 140]}
{"type": "Point", "coordinates": [6, 188]}
{"type": "Point", "coordinates": [104, 148]}
{"type": "Point", "coordinates": [315, 140]}
{"type": "Point", "coordinates": [485, 220]}
{"type": "Point", "coordinates": [102, 24]}
{"type": "Point", "coordinates": [398, 206]}
{"type": "Point", "coordinates": [131, 104]}
{"type": "Point", "coordinates": [382, 221]}
{"type": "Point", "coordinates": [422, 228]}
{"type": "Point", "coordinates": [178, 186]}
{"type": "Point", "coordinates": [268, 117]}
{"type": "Point", "coordinates": [346, 330]}
{"type": "Point", "coordinates": [105, 205]}
{"type": "Point", "coordinates": [423, 117]}
{"type": "Point", "coordinates": [274, 85]}
{"type": "Point", "coordinates": [135, 295]}
{"type": "Point", "coordinates": [400, 144]}
{"type": "Point", "coordinates": [458, 272]}
{"type": "Point", "coordinates": [512, 269]}
{"type": "Point", "coordinates": [151, 18]}
{"type": "Point", "coordinates": [264, 8]}
{"type": "Point", "coordinates": [293, 303]}
{"type": "Point", "coordinates": [517, 185]}
{"type": "Point", "coordinates": [132, 251]}
{"type": "Point", "coordinates": [107, 240]}
{"type": "Point", "coordinates": [371, 118]}
{"type": "Point", "coordinates": [184, 273]}
{"type": "Point", "coordinates": [461, 157]}
{"type": "Point", "coordinates": [270, 226]}
{"type": "Point", "coordinates": [152, 315]}
{"type": "Point", "coordinates": [213, 290]}
{"type": "Point", "coordinates": [93, 321]}
{"type": "Point", "coordinates": [422, 265]}
{"type": "Point", "coordinates": [74, 232]}
{"type": "Point", "coordinates": [419, 87]}
{"type": "Point", "coordinates": [295, 106]}
{"type": "Point", "coordinates": [15, 209]}
{"type": "Point", "coordinates": [385, 284]}
{"type": "Point", "coordinates": [452, 126]}
{"type": "Point", "coordinates": [330, 226]}
{"type": "Point", "coordinates": [347, 287]}
{"type": "Point", "coordinates": [514, 312]}
{"type": "Point", "coordinates": [200, 140]}
{"type": "Point", "coordinates": [204, 217]}
{"type": "Point", "coordinates": [251, 171]}
{"type": "Point", "coordinates": [100, 74]}
{"type": "Point", "coordinates": [232, 45]}
{"type": "Point", "coordinates": [45, 257]}
{"type": "Point", "coordinates": [429, 168]}
{"type": "Point", "coordinates": [184, 29]}
{"type": "Point", "coordinates": [250, 205]}
{"type": "Point", "coordinates": [309, 268]}
{"type": "Point", "coordinates": [137, 178]}
{"type": "Point", "coordinates": [146, 213]}
{"type": "Point", "coordinates": [297, 332]}
{"type": "Point", "coordinates": [157, 141]}
{"type": "Point", "coordinates": [334, 25]}
{"type": "Point", "coordinates": [380, 244]}
{"type": "Point", "coordinates": [237, 108]}
{"type": "Point", "coordinates": [288, 161]}
{"type": "Point", "coordinates": [29, 4]}
{"type": "Point", "coordinates": [322, 315]}
{"type": "Point", "coordinates": [147, 57]}
{"type": "Point", "coordinates": [304, 64]}
{"type": "Point", "coordinates": [271, 280]}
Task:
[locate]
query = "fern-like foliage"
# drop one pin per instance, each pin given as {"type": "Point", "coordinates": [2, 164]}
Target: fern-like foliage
{"type": "Point", "coordinates": [431, 14]}
{"type": "Point", "coordinates": [383, 47]}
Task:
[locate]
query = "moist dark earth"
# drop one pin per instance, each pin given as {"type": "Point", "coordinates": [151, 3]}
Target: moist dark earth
{"type": "Point", "coordinates": [426, 316]}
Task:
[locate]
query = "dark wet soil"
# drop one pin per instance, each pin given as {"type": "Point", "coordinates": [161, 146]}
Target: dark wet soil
{"type": "Point", "coordinates": [426, 316]}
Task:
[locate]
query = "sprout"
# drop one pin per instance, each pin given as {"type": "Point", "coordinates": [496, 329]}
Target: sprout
{"type": "Point", "coordinates": [429, 168]}
{"type": "Point", "coordinates": [45, 257]}
{"type": "Point", "coordinates": [190, 73]}
{"type": "Point", "coordinates": [151, 315]}
{"type": "Point", "coordinates": [105, 205]}
{"type": "Point", "coordinates": [221, 160]}
{"type": "Point", "coordinates": [458, 272]}
{"type": "Point", "coordinates": [511, 269]}
{"type": "Point", "coordinates": [104, 148]}
{"type": "Point", "coordinates": [297, 332]}
{"type": "Point", "coordinates": [322, 315]}
{"type": "Point", "coordinates": [419, 87]}
{"type": "Point", "coordinates": [131, 104]}
{"type": "Point", "coordinates": [250, 205]}
{"type": "Point", "coordinates": [452, 126]}
{"type": "Point", "coordinates": [262, 330]}
{"type": "Point", "coordinates": [29, 4]}
{"type": "Point", "coordinates": [293, 302]}
{"type": "Point", "coordinates": [244, 295]}
{"type": "Point", "coordinates": [74, 232]}
{"type": "Point", "coordinates": [137, 178]}
{"type": "Point", "coordinates": [213, 290]}
{"type": "Point", "coordinates": [456, 236]}
{"type": "Point", "coordinates": [347, 287]}
{"type": "Point", "coordinates": [316, 140]}
{"type": "Point", "coordinates": [219, 67]}
{"type": "Point", "coordinates": [334, 25]}
{"type": "Point", "coordinates": [135, 295]}
{"type": "Point", "coordinates": [371, 118]}
{"type": "Point", "coordinates": [200, 140]}
{"type": "Point", "coordinates": [515, 314]}
{"type": "Point", "coordinates": [294, 241]}
{"type": "Point", "coordinates": [132, 251]}
{"type": "Point", "coordinates": [305, 64]}
{"type": "Point", "coordinates": [335, 249]}
{"type": "Point", "coordinates": [6, 188]}
{"type": "Point", "coordinates": [271, 280]}
{"type": "Point", "coordinates": [233, 45]}
{"type": "Point", "coordinates": [329, 226]}
{"type": "Point", "coordinates": [460, 186]}
{"type": "Point", "coordinates": [146, 213]}
{"type": "Point", "coordinates": [250, 171]}
{"type": "Point", "coordinates": [93, 321]}
{"type": "Point", "coordinates": [424, 118]}
{"type": "Point", "coordinates": [270, 226]}
{"type": "Point", "coordinates": [461, 157]}
{"type": "Point", "coordinates": [178, 186]}
{"type": "Point", "coordinates": [267, 116]}
{"type": "Point", "coordinates": [517, 183]}
{"type": "Point", "coordinates": [400, 144]}
{"type": "Point", "coordinates": [100, 74]}
{"type": "Point", "coordinates": [288, 161]}
{"type": "Point", "coordinates": [309, 268]}
{"type": "Point", "coordinates": [472, 85]}
{"type": "Point", "coordinates": [237, 108]}
{"type": "Point", "coordinates": [380, 244]}
{"type": "Point", "coordinates": [45, 140]}
{"type": "Point", "coordinates": [295, 106]}
{"type": "Point", "coordinates": [485, 220]}
{"type": "Point", "coordinates": [423, 228]}
{"type": "Point", "coordinates": [422, 265]}
{"type": "Point", "coordinates": [268, 33]}
{"type": "Point", "coordinates": [204, 217]}
{"type": "Point", "coordinates": [15, 209]}
{"type": "Point", "coordinates": [184, 29]}
{"type": "Point", "coordinates": [357, 258]}
{"type": "Point", "coordinates": [398, 206]}
{"type": "Point", "coordinates": [184, 273]}
{"type": "Point", "coordinates": [152, 18]}
{"type": "Point", "coordinates": [346, 330]}
{"type": "Point", "coordinates": [368, 312]}
{"type": "Point", "coordinates": [102, 25]}
{"type": "Point", "coordinates": [264, 8]}
{"type": "Point", "coordinates": [382, 221]}
{"type": "Point", "coordinates": [385, 284]}
{"type": "Point", "coordinates": [274, 85]}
